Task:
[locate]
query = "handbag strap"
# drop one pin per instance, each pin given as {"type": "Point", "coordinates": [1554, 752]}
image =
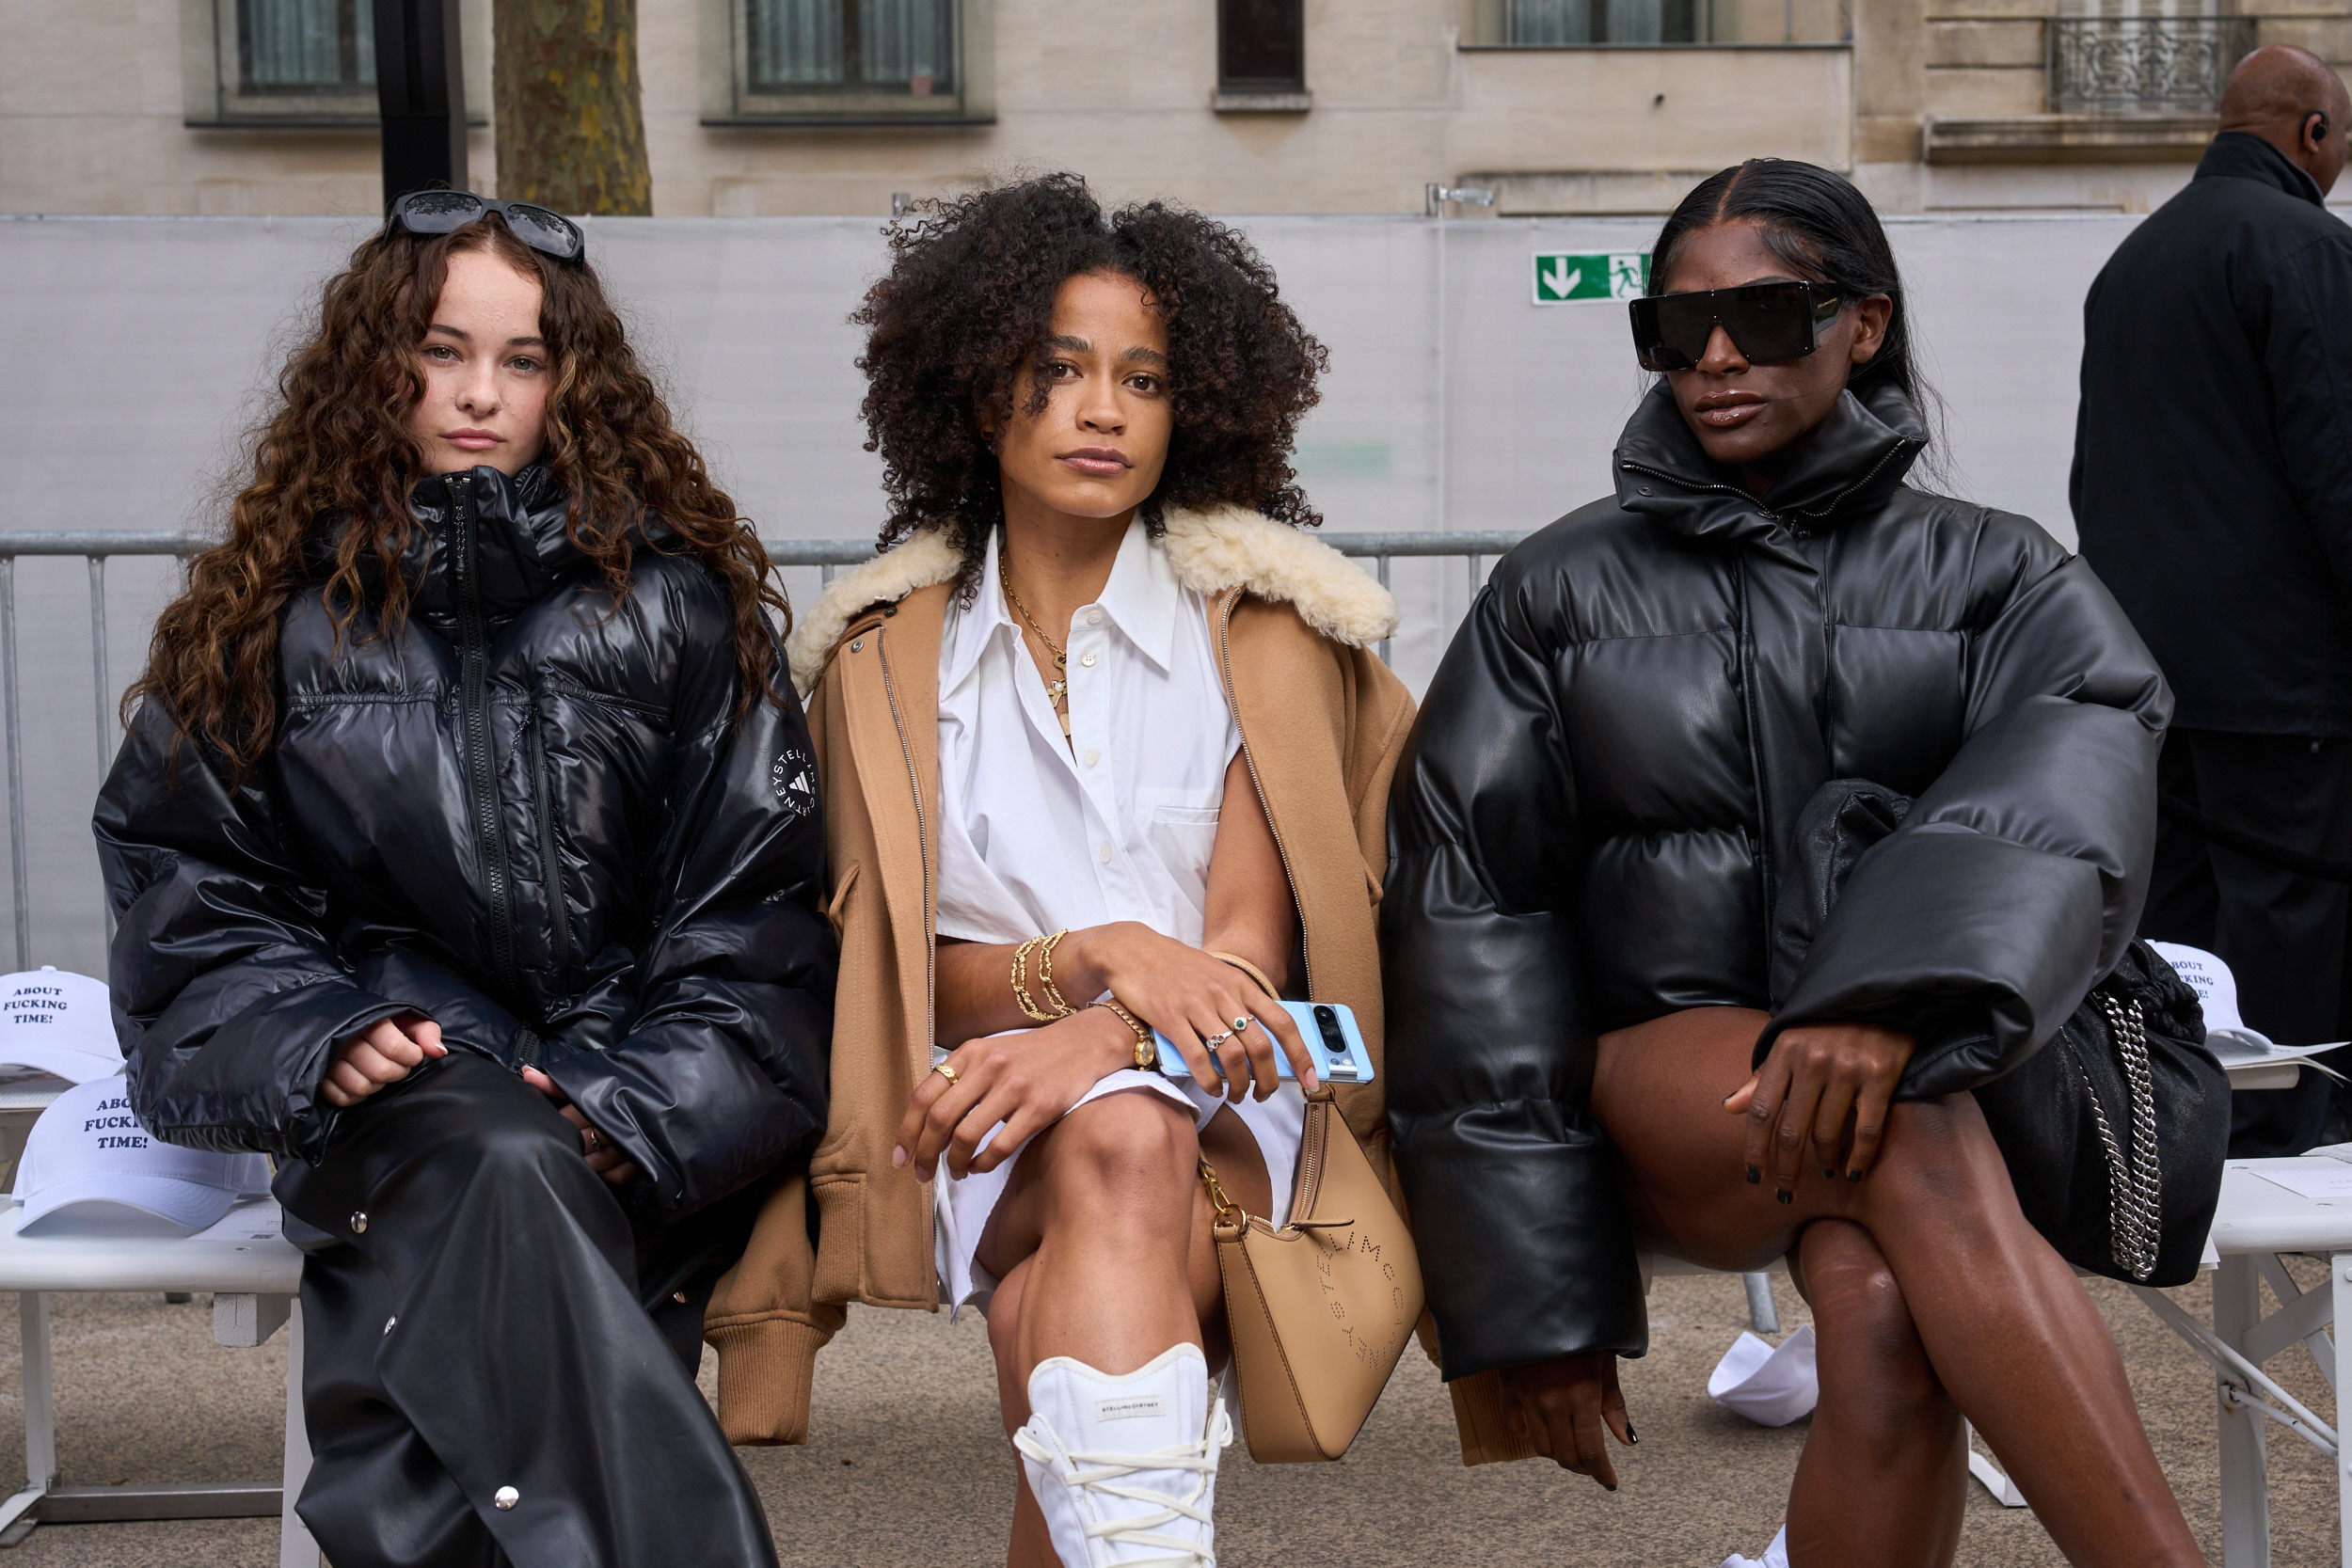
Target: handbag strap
{"type": "Point", "coordinates": [2136, 1220]}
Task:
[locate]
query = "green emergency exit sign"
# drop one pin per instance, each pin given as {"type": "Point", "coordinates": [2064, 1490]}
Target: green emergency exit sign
{"type": "Point", "coordinates": [1563, 276]}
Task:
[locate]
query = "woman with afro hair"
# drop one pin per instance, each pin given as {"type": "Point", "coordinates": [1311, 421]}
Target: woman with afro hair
{"type": "Point", "coordinates": [1103, 747]}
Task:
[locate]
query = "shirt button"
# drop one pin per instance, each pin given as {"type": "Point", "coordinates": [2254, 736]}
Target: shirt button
{"type": "Point", "coordinates": [1105, 853]}
{"type": "Point", "coordinates": [1094, 617]}
{"type": "Point", "coordinates": [1091, 756]}
{"type": "Point", "coordinates": [505, 1497]}
{"type": "Point", "coordinates": [1086, 659]}
{"type": "Point", "coordinates": [359, 1224]}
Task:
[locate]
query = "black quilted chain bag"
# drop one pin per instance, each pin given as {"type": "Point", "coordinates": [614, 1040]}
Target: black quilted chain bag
{"type": "Point", "coordinates": [2115, 1131]}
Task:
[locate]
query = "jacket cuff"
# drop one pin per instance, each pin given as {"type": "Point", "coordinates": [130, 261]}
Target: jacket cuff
{"type": "Point", "coordinates": [1979, 946]}
{"type": "Point", "coordinates": [254, 1083]}
{"type": "Point", "coordinates": [1526, 1246]}
{"type": "Point", "coordinates": [765, 1368]}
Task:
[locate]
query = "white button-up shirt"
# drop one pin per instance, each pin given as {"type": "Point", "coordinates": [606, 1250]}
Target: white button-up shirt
{"type": "Point", "coordinates": [1117, 822]}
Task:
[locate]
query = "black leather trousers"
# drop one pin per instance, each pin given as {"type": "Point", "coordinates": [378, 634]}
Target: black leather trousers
{"type": "Point", "coordinates": [483, 1382]}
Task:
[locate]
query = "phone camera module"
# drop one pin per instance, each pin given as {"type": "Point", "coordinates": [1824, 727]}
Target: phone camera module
{"type": "Point", "coordinates": [1328, 1024]}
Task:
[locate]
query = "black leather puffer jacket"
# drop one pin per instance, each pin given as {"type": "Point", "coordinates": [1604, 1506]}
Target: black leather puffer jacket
{"type": "Point", "coordinates": [531, 817]}
{"type": "Point", "coordinates": [1615, 749]}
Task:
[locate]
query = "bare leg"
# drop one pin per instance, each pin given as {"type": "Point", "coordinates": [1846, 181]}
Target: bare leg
{"type": "Point", "coordinates": [1109, 1223]}
{"type": "Point", "coordinates": [1880, 1484]}
{"type": "Point", "coordinates": [2005, 1326]}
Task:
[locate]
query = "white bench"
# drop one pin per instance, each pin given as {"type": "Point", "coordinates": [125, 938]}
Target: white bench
{"type": "Point", "coordinates": [252, 1273]}
{"type": "Point", "coordinates": [2257, 1224]}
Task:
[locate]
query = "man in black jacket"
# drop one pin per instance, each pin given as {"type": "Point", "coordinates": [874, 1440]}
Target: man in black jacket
{"type": "Point", "coordinates": [2213, 491]}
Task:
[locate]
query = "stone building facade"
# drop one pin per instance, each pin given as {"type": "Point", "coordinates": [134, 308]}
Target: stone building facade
{"type": "Point", "coordinates": [760, 108]}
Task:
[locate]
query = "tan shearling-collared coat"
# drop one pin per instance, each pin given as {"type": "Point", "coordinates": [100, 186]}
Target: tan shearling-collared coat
{"type": "Point", "coordinates": [1322, 723]}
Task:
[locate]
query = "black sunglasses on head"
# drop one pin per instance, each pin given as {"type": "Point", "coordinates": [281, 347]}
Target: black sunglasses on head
{"type": "Point", "coordinates": [446, 211]}
{"type": "Point", "coordinates": [1766, 321]}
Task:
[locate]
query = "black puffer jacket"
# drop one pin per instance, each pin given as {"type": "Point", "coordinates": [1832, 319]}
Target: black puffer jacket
{"type": "Point", "coordinates": [531, 817]}
{"type": "Point", "coordinates": [1616, 748]}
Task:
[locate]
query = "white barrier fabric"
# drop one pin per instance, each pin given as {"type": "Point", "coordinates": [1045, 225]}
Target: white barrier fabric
{"type": "Point", "coordinates": [141, 347]}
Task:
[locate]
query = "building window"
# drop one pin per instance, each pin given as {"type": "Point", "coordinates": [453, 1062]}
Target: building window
{"type": "Point", "coordinates": [306, 48]}
{"type": "Point", "coordinates": [1557, 21]}
{"type": "Point", "coordinates": [301, 63]}
{"type": "Point", "coordinates": [1261, 56]}
{"type": "Point", "coordinates": [835, 61]}
{"type": "Point", "coordinates": [793, 46]}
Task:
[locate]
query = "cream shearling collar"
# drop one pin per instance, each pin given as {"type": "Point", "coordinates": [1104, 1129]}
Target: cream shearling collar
{"type": "Point", "coordinates": [1212, 551]}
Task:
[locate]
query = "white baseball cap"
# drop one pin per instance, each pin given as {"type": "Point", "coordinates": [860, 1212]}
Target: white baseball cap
{"type": "Point", "coordinates": [90, 1168]}
{"type": "Point", "coordinates": [59, 1022]}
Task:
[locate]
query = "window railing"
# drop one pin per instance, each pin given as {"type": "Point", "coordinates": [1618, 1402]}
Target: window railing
{"type": "Point", "coordinates": [96, 547]}
{"type": "Point", "coordinates": [2144, 65]}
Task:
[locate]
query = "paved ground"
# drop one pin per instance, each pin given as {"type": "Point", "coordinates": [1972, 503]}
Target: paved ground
{"type": "Point", "coordinates": [909, 1468]}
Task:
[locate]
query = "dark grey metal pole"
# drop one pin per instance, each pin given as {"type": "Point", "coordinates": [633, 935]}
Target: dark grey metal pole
{"type": "Point", "coordinates": [421, 94]}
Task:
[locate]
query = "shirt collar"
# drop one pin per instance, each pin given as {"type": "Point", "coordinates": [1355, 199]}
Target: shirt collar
{"type": "Point", "coordinates": [1143, 597]}
{"type": "Point", "coordinates": [974, 625]}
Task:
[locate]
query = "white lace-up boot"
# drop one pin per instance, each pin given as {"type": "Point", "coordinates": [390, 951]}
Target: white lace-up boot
{"type": "Point", "coordinates": [1125, 1468]}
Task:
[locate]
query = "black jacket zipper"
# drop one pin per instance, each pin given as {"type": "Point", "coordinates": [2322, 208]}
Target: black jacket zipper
{"type": "Point", "coordinates": [473, 659]}
{"type": "Point", "coordinates": [551, 853]}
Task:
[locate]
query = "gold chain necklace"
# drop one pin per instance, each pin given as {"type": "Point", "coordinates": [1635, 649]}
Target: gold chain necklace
{"type": "Point", "coordinates": [1056, 692]}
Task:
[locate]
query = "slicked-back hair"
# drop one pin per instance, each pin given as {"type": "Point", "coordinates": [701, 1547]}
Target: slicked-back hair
{"type": "Point", "coordinates": [1824, 229]}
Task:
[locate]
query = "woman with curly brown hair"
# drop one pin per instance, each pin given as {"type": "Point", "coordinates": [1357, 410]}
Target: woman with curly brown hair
{"type": "Point", "coordinates": [465, 853]}
{"type": "Point", "coordinates": [1104, 749]}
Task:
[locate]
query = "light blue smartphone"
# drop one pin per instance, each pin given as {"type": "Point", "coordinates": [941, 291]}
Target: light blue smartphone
{"type": "Point", "coordinates": [1332, 1038]}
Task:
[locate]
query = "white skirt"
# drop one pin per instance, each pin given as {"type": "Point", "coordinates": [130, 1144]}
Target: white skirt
{"type": "Point", "coordinates": [962, 1209]}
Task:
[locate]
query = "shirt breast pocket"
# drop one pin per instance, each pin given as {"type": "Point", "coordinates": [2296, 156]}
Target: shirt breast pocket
{"type": "Point", "coordinates": [1180, 828]}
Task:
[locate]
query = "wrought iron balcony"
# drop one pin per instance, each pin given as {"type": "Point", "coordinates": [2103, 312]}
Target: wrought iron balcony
{"type": "Point", "coordinates": [2144, 65]}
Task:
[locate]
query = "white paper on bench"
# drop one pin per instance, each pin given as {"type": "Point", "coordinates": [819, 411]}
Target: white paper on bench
{"type": "Point", "coordinates": [2331, 1181]}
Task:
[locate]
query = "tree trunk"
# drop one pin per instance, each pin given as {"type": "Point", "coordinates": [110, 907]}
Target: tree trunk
{"type": "Point", "coordinates": [571, 120]}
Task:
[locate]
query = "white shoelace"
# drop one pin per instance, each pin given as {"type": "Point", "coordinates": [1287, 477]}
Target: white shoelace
{"type": "Point", "coordinates": [1104, 1471]}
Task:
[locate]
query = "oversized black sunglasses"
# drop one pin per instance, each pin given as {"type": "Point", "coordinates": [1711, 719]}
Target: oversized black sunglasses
{"type": "Point", "coordinates": [1767, 322]}
{"type": "Point", "coordinates": [446, 211]}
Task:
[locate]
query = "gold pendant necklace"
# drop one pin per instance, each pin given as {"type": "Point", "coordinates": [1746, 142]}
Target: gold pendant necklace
{"type": "Point", "coordinates": [1056, 692]}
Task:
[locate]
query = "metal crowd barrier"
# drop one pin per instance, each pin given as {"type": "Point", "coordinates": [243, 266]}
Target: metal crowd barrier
{"type": "Point", "coordinates": [96, 547]}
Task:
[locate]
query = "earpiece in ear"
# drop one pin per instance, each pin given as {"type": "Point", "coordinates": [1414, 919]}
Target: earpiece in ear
{"type": "Point", "coordinates": [2319, 128]}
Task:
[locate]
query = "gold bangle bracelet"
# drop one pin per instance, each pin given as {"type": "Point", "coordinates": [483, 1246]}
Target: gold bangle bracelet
{"type": "Point", "coordinates": [1021, 983]}
{"type": "Point", "coordinates": [1247, 968]}
{"type": "Point", "coordinates": [1054, 998]}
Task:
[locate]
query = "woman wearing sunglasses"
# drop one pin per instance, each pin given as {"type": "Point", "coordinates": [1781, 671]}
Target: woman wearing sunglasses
{"type": "Point", "coordinates": [1588, 833]}
{"type": "Point", "coordinates": [465, 853]}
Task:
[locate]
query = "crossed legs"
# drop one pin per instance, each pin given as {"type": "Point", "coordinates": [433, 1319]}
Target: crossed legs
{"type": "Point", "coordinates": [1103, 1246]}
{"type": "Point", "coordinates": [1929, 1251]}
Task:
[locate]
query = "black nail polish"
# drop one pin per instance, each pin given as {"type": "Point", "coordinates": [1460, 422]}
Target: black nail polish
{"type": "Point", "coordinates": [1605, 1487]}
{"type": "Point", "coordinates": [1630, 1435]}
{"type": "Point", "coordinates": [1829, 1173]}
{"type": "Point", "coordinates": [1783, 1195]}
{"type": "Point", "coordinates": [1853, 1176]}
{"type": "Point", "coordinates": [1756, 1177]}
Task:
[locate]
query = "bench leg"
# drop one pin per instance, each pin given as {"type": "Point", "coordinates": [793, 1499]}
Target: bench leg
{"type": "Point", "coordinates": [2339, 1275]}
{"type": "Point", "coordinates": [2245, 1481]}
{"type": "Point", "coordinates": [20, 1513]}
{"type": "Point", "coordinates": [1763, 1316]}
{"type": "Point", "coordinates": [295, 1549]}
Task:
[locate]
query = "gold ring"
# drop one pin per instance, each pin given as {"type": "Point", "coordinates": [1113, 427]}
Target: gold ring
{"type": "Point", "coordinates": [947, 1072]}
{"type": "Point", "coordinates": [595, 1140]}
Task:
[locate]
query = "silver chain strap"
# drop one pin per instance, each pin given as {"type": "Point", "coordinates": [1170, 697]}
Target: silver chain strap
{"type": "Point", "coordinates": [2135, 1220]}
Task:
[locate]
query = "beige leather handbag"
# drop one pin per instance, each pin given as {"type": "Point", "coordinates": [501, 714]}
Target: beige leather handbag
{"type": "Point", "coordinates": [1320, 1309]}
